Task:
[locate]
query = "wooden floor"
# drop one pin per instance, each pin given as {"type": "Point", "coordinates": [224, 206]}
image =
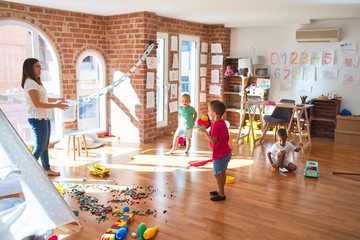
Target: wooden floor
{"type": "Point", "coordinates": [259, 205]}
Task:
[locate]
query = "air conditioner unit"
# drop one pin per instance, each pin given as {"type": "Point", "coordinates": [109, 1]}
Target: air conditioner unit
{"type": "Point", "coordinates": [318, 35]}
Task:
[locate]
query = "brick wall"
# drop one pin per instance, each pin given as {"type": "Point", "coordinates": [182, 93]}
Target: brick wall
{"type": "Point", "coordinates": [121, 40]}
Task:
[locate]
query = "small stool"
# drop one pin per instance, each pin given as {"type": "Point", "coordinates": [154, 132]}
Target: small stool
{"type": "Point", "coordinates": [78, 136]}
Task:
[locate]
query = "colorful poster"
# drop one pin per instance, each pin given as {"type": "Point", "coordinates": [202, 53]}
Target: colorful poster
{"type": "Point", "coordinates": [328, 59]}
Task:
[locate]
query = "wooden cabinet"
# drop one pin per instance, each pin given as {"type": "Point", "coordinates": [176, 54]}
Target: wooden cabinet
{"type": "Point", "coordinates": [323, 117]}
{"type": "Point", "coordinates": [235, 92]}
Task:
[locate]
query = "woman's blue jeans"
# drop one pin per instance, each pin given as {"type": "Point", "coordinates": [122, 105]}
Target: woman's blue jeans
{"type": "Point", "coordinates": [42, 130]}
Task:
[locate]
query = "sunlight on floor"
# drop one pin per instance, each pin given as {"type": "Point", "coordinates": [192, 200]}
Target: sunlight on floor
{"type": "Point", "coordinates": [153, 163]}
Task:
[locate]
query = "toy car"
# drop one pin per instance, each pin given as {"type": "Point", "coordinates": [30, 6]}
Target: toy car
{"type": "Point", "coordinates": [311, 169]}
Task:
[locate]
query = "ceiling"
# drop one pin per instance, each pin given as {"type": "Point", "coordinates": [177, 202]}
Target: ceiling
{"type": "Point", "coordinates": [231, 13]}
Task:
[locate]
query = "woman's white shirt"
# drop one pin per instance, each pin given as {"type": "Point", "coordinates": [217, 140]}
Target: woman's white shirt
{"type": "Point", "coordinates": [38, 113]}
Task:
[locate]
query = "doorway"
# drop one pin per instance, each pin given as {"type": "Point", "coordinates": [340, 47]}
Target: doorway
{"type": "Point", "coordinates": [189, 68]}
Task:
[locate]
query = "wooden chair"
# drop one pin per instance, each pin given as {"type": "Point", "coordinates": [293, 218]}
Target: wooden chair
{"type": "Point", "coordinates": [280, 117]}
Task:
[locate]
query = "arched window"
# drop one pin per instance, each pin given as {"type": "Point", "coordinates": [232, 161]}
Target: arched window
{"type": "Point", "coordinates": [18, 41]}
{"type": "Point", "coordinates": [90, 75]}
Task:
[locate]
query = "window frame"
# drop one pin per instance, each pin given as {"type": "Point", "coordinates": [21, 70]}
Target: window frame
{"type": "Point", "coordinates": [165, 37]}
{"type": "Point", "coordinates": [102, 75]}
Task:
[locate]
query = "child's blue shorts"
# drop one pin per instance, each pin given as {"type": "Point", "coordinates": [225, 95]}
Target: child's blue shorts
{"type": "Point", "coordinates": [221, 164]}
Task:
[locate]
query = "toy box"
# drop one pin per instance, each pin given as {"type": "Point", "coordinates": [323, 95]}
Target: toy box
{"type": "Point", "coordinates": [311, 169]}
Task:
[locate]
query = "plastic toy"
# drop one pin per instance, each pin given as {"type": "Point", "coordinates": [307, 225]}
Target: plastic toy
{"type": "Point", "coordinates": [197, 163]}
{"type": "Point", "coordinates": [150, 232]}
{"type": "Point", "coordinates": [141, 230]}
{"type": "Point", "coordinates": [228, 71]}
{"type": "Point", "coordinates": [233, 140]}
{"type": "Point", "coordinates": [61, 189]}
{"type": "Point", "coordinates": [133, 235]}
{"type": "Point", "coordinates": [311, 169]}
{"type": "Point", "coordinates": [230, 179]}
{"type": "Point", "coordinates": [126, 209]}
{"type": "Point", "coordinates": [273, 169]}
{"type": "Point", "coordinates": [203, 121]}
{"type": "Point", "coordinates": [181, 142]}
{"type": "Point", "coordinates": [98, 169]}
{"type": "Point", "coordinates": [121, 234]}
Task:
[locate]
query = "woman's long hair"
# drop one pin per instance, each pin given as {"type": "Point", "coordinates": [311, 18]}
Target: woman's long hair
{"type": "Point", "coordinates": [28, 71]}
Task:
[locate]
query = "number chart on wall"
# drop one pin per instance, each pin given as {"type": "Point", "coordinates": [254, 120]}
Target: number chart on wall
{"type": "Point", "coordinates": [315, 65]}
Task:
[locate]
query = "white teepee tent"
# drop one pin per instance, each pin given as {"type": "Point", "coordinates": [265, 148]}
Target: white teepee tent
{"type": "Point", "coordinates": [43, 208]}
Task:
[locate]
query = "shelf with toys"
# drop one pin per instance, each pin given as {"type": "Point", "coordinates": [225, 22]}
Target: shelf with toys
{"type": "Point", "coordinates": [238, 89]}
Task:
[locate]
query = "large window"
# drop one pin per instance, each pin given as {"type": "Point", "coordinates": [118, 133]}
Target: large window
{"type": "Point", "coordinates": [19, 41]}
{"type": "Point", "coordinates": [161, 80]}
{"type": "Point", "coordinates": [90, 79]}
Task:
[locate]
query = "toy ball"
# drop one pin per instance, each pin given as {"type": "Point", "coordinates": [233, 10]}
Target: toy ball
{"type": "Point", "coordinates": [273, 169]}
{"type": "Point", "coordinates": [233, 140]}
{"type": "Point", "coordinates": [172, 132]}
{"type": "Point", "coordinates": [133, 235]}
{"type": "Point", "coordinates": [203, 121]}
{"type": "Point", "coordinates": [204, 118]}
{"type": "Point", "coordinates": [126, 209]}
{"type": "Point", "coordinates": [230, 179]}
{"type": "Point", "coordinates": [181, 141]}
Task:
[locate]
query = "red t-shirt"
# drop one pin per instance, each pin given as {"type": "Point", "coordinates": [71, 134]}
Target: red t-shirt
{"type": "Point", "coordinates": [221, 148]}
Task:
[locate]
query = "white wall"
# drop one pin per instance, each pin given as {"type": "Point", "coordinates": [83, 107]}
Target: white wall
{"type": "Point", "coordinates": [246, 42]}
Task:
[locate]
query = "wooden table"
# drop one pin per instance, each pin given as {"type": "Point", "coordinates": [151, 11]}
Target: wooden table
{"type": "Point", "coordinates": [297, 112]}
{"type": "Point", "coordinates": [250, 108]}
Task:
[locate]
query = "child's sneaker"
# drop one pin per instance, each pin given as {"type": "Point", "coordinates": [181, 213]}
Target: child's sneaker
{"type": "Point", "coordinates": [172, 150]}
{"type": "Point", "coordinates": [283, 169]}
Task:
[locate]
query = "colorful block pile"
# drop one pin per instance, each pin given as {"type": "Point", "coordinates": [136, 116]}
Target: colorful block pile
{"type": "Point", "coordinates": [123, 222]}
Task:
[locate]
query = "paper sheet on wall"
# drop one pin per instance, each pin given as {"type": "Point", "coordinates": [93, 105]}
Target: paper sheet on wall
{"type": "Point", "coordinates": [302, 90]}
{"type": "Point", "coordinates": [215, 90]}
{"type": "Point", "coordinates": [150, 99]}
{"type": "Point", "coordinates": [173, 107]}
{"type": "Point", "coordinates": [203, 84]}
{"type": "Point", "coordinates": [215, 76]}
{"type": "Point", "coordinates": [263, 83]}
{"type": "Point", "coordinates": [174, 75]}
{"type": "Point", "coordinates": [216, 48]}
{"type": "Point", "coordinates": [350, 61]}
{"type": "Point", "coordinates": [203, 72]}
{"type": "Point", "coordinates": [175, 61]}
{"type": "Point", "coordinates": [329, 74]}
{"type": "Point", "coordinates": [202, 97]}
{"type": "Point", "coordinates": [309, 74]}
{"type": "Point", "coordinates": [203, 59]}
{"type": "Point", "coordinates": [204, 47]}
{"type": "Point", "coordinates": [174, 43]}
{"type": "Point", "coordinates": [151, 62]}
{"type": "Point", "coordinates": [217, 60]}
{"type": "Point", "coordinates": [173, 91]}
{"type": "Point", "coordinates": [150, 78]}
{"type": "Point", "coordinates": [298, 74]}
{"type": "Point", "coordinates": [351, 79]}
{"type": "Point", "coordinates": [348, 48]}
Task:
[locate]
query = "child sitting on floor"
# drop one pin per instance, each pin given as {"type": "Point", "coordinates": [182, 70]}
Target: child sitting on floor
{"type": "Point", "coordinates": [278, 152]}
